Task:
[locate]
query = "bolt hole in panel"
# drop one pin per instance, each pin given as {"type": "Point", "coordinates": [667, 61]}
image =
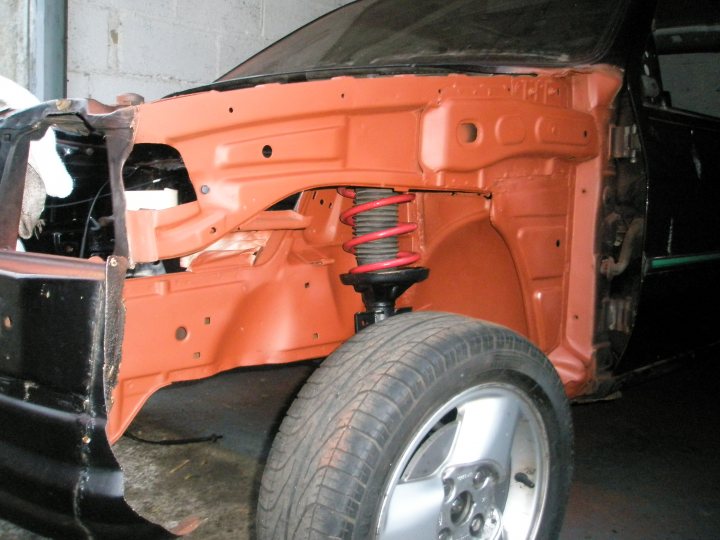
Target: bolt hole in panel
{"type": "Point", "coordinates": [467, 132]}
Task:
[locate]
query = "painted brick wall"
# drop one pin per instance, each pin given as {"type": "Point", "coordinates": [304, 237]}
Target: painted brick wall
{"type": "Point", "coordinates": [155, 47]}
{"type": "Point", "coordinates": [14, 40]}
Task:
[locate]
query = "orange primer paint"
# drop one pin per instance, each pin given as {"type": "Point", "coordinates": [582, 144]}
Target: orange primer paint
{"type": "Point", "coordinates": [507, 169]}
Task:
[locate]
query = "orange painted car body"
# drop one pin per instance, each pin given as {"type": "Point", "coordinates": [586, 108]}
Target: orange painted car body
{"type": "Point", "coordinates": [507, 170]}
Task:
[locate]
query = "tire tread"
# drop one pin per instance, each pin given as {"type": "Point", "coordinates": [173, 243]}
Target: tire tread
{"type": "Point", "coordinates": [314, 477]}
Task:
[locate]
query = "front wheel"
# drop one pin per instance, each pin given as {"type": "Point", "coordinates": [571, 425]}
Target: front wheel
{"type": "Point", "coordinates": [425, 426]}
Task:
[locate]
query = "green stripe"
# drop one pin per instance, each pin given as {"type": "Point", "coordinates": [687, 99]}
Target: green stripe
{"type": "Point", "coordinates": [669, 262]}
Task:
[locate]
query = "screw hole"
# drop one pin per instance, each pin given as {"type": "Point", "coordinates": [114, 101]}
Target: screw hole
{"type": "Point", "coordinates": [307, 284]}
{"type": "Point", "coordinates": [557, 243]}
{"type": "Point", "coordinates": [213, 230]}
{"type": "Point", "coordinates": [585, 134]}
{"type": "Point", "coordinates": [267, 151]}
{"type": "Point", "coordinates": [181, 333]}
{"type": "Point", "coordinates": [207, 320]}
{"type": "Point", "coordinates": [230, 110]}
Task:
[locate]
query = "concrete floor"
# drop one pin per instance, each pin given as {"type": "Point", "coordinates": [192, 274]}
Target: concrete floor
{"type": "Point", "coordinates": [646, 464]}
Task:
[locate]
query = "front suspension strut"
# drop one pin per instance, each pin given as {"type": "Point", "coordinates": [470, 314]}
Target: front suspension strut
{"type": "Point", "coordinates": [382, 273]}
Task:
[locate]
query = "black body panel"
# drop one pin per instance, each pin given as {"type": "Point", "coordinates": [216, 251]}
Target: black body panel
{"type": "Point", "coordinates": [677, 313]}
{"type": "Point", "coordinates": [58, 475]}
{"type": "Point", "coordinates": [61, 326]}
{"type": "Point", "coordinates": [680, 293]}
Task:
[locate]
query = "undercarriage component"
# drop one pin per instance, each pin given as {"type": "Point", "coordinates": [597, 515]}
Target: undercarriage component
{"type": "Point", "coordinates": [631, 249]}
{"type": "Point", "coordinates": [379, 276]}
{"type": "Point", "coordinates": [380, 290]}
{"type": "Point", "coordinates": [374, 219]}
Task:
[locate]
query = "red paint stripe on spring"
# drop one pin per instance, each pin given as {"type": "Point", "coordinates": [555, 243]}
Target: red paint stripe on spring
{"type": "Point", "coordinates": [404, 258]}
{"type": "Point", "coordinates": [404, 228]}
{"type": "Point", "coordinates": [347, 217]}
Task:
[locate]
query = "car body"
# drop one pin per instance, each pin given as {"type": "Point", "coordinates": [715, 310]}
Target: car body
{"type": "Point", "coordinates": [555, 189]}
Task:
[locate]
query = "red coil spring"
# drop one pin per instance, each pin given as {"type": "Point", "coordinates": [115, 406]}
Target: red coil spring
{"type": "Point", "coordinates": [403, 258]}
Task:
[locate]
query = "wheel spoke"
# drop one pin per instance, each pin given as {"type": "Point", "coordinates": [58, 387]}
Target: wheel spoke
{"type": "Point", "coordinates": [486, 431]}
{"type": "Point", "coordinates": [413, 510]}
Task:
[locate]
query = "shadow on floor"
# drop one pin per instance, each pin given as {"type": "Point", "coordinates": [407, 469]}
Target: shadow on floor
{"type": "Point", "coordinates": [646, 465]}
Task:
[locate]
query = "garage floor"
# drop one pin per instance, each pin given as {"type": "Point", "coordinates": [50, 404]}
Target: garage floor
{"type": "Point", "coordinates": [646, 464]}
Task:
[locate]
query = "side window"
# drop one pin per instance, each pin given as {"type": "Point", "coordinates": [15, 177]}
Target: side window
{"type": "Point", "coordinates": [692, 81]}
{"type": "Point", "coordinates": [687, 43]}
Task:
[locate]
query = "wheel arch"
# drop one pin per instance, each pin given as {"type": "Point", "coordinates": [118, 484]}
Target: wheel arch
{"type": "Point", "coordinates": [472, 271]}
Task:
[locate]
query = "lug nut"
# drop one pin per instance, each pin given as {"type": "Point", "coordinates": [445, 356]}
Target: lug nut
{"type": "Point", "coordinates": [481, 476]}
{"type": "Point", "coordinates": [476, 524]}
{"type": "Point", "coordinates": [445, 534]}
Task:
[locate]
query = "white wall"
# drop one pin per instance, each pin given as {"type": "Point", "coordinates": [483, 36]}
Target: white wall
{"type": "Point", "coordinates": [14, 40]}
{"type": "Point", "coordinates": [155, 47]}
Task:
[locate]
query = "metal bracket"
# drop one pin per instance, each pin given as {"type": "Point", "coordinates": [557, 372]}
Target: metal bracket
{"type": "Point", "coordinates": [379, 291]}
{"type": "Point", "coordinates": [625, 142]}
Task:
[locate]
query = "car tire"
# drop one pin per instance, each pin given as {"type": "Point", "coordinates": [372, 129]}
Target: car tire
{"type": "Point", "coordinates": [425, 426]}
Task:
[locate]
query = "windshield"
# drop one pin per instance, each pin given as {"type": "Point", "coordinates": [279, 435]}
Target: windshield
{"type": "Point", "coordinates": [372, 34]}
